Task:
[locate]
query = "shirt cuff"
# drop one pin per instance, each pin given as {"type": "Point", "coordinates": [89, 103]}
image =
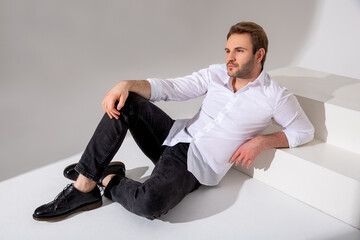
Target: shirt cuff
{"type": "Point", "coordinates": [156, 89]}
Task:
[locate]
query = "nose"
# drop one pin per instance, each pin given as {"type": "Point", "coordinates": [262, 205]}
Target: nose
{"type": "Point", "coordinates": [230, 56]}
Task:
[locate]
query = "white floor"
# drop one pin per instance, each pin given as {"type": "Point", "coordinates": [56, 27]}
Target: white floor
{"type": "Point", "coordinates": [239, 208]}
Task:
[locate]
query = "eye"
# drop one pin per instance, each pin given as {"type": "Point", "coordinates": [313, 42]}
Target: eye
{"type": "Point", "coordinates": [240, 50]}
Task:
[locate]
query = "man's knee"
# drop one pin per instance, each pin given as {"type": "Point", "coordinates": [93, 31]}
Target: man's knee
{"type": "Point", "coordinates": [132, 103]}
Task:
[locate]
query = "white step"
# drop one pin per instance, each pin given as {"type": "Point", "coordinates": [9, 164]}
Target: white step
{"type": "Point", "coordinates": [319, 174]}
{"type": "Point", "coordinates": [326, 172]}
{"type": "Point", "coordinates": [331, 102]}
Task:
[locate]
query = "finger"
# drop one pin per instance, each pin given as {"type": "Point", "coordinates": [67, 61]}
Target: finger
{"type": "Point", "coordinates": [110, 116]}
{"type": "Point", "coordinates": [110, 109]}
{"type": "Point", "coordinates": [110, 112]}
{"type": "Point", "coordinates": [121, 103]}
{"type": "Point", "coordinates": [115, 113]}
{"type": "Point", "coordinates": [238, 161]}
{"type": "Point", "coordinates": [110, 104]}
{"type": "Point", "coordinates": [235, 156]}
{"type": "Point", "coordinates": [232, 159]}
{"type": "Point", "coordinates": [245, 160]}
{"type": "Point", "coordinates": [249, 164]}
{"type": "Point", "coordinates": [106, 110]}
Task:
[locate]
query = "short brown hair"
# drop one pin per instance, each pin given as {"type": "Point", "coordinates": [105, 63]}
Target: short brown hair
{"type": "Point", "coordinates": [258, 36]}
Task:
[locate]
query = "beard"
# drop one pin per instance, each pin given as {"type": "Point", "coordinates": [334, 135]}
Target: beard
{"type": "Point", "coordinates": [245, 71]}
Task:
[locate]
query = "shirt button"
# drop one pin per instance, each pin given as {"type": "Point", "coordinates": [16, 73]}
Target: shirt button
{"type": "Point", "coordinates": [217, 120]}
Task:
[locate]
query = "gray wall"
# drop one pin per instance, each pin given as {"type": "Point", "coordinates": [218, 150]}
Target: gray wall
{"type": "Point", "coordinates": [59, 58]}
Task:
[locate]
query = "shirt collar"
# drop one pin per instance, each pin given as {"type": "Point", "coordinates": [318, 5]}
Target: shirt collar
{"type": "Point", "coordinates": [261, 78]}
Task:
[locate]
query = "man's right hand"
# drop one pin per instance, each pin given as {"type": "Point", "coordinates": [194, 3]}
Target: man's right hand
{"type": "Point", "coordinates": [119, 93]}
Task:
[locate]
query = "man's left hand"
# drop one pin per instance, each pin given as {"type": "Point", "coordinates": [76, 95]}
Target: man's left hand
{"type": "Point", "coordinates": [247, 152]}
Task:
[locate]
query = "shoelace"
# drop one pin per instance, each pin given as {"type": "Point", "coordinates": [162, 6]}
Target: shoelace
{"type": "Point", "coordinates": [62, 193]}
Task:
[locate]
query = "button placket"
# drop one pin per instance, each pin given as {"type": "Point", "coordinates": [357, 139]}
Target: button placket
{"type": "Point", "coordinates": [217, 120]}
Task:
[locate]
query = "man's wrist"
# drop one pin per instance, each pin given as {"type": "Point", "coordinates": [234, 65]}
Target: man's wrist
{"type": "Point", "coordinates": [140, 87]}
{"type": "Point", "coordinates": [262, 142]}
{"type": "Point", "coordinates": [275, 140]}
{"type": "Point", "coordinates": [124, 84]}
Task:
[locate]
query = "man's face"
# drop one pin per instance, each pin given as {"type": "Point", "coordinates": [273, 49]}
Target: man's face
{"type": "Point", "coordinates": [240, 60]}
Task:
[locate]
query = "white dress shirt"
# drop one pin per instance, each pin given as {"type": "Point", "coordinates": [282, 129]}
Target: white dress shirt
{"type": "Point", "coordinates": [226, 118]}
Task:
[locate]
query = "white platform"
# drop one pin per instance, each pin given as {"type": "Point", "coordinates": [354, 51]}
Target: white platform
{"type": "Point", "coordinates": [239, 208]}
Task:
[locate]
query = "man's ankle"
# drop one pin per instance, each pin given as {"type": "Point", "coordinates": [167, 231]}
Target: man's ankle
{"type": "Point", "coordinates": [84, 184]}
{"type": "Point", "coordinates": [107, 179]}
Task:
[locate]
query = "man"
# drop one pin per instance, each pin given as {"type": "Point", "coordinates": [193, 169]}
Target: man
{"type": "Point", "coordinates": [241, 101]}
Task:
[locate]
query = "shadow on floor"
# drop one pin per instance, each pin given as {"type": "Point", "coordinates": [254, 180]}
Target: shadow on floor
{"type": "Point", "coordinates": [206, 202]}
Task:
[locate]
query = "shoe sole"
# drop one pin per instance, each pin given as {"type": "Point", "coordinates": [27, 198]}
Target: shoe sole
{"type": "Point", "coordinates": [80, 209]}
{"type": "Point", "coordinates": [117, 163]}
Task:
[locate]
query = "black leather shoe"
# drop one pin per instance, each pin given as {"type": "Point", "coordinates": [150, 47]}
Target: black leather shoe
{"type": "Point", "coordinates": [113, 168]}
{"type": "Point", "coordinates": [69, 201]}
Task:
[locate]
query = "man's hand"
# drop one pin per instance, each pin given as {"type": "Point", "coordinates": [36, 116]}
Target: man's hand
{"type": "Point", "coordinates": [247, 152]}
{"type": "Point", "coordinates": [121, 92]}
{"type": "Point", "coordinates": [118, 93]}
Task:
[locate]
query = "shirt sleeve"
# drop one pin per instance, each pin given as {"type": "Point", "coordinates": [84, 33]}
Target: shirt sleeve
{"type": "Point", "coordinates": [179, 89]}
{"type": "Point", "coordinates": [289, 114]}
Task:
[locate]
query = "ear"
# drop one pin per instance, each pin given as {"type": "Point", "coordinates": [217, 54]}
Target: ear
{"type": "Point", "coordinates": [259, 55]}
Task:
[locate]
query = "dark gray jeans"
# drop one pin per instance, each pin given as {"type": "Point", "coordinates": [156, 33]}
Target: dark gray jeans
{"type": "Point", "coordinates": [170, 181]}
